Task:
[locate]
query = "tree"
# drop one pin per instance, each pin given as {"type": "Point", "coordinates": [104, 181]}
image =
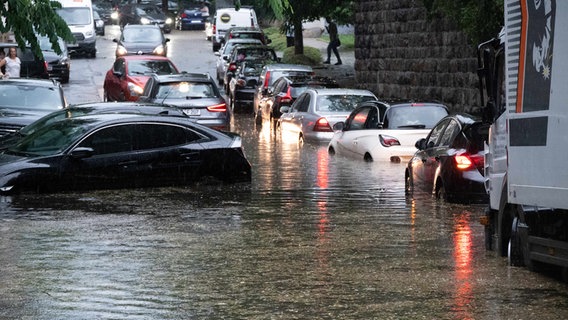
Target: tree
{"type": "Point", "coordinates": [295, 12]}
{"type": "Point", "coordinates": [25, 18]}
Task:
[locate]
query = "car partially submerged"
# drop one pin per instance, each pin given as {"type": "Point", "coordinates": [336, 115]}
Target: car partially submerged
{"type": "Point", "coordinates": [109, 151]}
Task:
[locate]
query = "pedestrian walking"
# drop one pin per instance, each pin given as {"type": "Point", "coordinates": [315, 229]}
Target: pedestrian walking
{"type": "Point", "coordinates": [12, 64]}
{"type": "Point", "coordinates": [334, 42]}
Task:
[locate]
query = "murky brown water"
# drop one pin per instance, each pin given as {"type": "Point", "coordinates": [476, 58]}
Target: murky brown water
{"type": "Point", "coordinates": [313, 237]}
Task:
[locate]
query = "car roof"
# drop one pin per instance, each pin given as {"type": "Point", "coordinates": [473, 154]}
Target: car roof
{"type": "Point", "coordinates": [141, 26]}
{"type": "Point", "coordinates": [287, 66]}
{"type": "Point", "coordinates": [184, 76]}
{"type": "Point", "coordinates": [143, 57]}
{"type": "Point", "coordinates": [31, 81]}
{"type": "Point", "coordinates": [416, 104]}
{"type": "Point", "coordinates": [338, 91]}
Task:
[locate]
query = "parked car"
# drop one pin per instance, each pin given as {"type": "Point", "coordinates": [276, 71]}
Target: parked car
{"type": "Point", "coordinates": [271, 72]}
{"type": "Point", "coordinates": [315, 111]}
{"type": "Point", "coordinates": [141, 39]}
{"type": "Point", "coordinates": [58, 65]}
{"type": "Point", "coordinates": [367, 136]}
{"type": "Point", "coordinates": [243, 84]}
{"type": "Point", "coordinates": [107, 151]}
{"type": "Point", "coordinates": [145, 14]}
{"type": "Point", "coordinates": [191, 19]}
{"type": "Point", "coordinates": [22, 101]}
{"type": "Point", "coordinates": [31, 65]}
{"type": "Point", "coordinates": [99, 24]}
{"type": "Point", "coordinates": [247, 52]}
{"type": "Point", "coordinates": [225, 52]}
{"type": "Point", "coordinates": [194, 93]}
{"type": "Point", "coordinates": [246, 33]}
{"type": "Point", "coordinates": [126, 79]}
{"type": "Point", "coordinates": [85, 109]}
{"type": "Point", "coordinates": [449, 161]}
{"type": "Point", "coordinates": [285, 91]}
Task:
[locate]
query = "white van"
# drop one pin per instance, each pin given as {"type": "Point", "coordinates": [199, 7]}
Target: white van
{"type": "Point", "coordinates": [226, 18]}
{"type": "Point", "coordinates": [79, 17]}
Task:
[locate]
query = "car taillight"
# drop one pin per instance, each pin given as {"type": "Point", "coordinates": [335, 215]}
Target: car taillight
{"type": "Point", "coordinates": [232, 67]}
{"type": "Point", "coordinates": [241, 82]}
{"type": "Point", "coordinates": [45, 66]}
{"type": "Point", "coordinates": [222, 107]}
{"type": "Point", "coordinates": [388, 141]}
{"type": "Point", "coordinates": [183, 15]}
{"type": "Point", "coordinates": [266, 80]}
{"type": "Point", "coordinates": [465, 161]}
{"type": "Point", "coordinates": [288, 98]}
{"type": "Point", "coordinates": [322, 125]}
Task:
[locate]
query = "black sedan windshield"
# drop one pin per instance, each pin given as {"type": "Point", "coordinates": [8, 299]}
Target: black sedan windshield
{"type": "Point", "coordinates": [21, 96]}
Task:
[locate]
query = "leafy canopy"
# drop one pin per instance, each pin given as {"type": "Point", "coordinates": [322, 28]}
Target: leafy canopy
{"type": "Point", "coordinates": [25, 18]}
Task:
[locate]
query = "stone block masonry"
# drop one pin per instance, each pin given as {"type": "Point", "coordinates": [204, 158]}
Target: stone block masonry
{"type": "Point", "coordinates": [402, 53]}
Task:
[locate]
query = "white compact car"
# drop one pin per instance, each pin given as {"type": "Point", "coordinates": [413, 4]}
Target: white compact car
{"type": "Point", "coordinates": [382, 131]}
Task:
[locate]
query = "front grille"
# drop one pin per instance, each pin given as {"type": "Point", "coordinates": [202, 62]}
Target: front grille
{"type": "Point", "coordinates": [6, 129]}
{"type": "Point", "coordinates": [79, 36]}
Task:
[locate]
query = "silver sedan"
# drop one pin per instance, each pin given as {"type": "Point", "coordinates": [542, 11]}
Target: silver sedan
{"type": "Point", "coordinates": [313, 114]}
{"type": "Point", "coordinates": [224, 53]}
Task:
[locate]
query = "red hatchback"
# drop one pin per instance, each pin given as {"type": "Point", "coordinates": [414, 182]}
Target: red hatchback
{"type": "Point", "coordinates": [126, 79]}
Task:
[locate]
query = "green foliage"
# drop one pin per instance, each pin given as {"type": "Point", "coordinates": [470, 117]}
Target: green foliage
{"type": "Point", "coordinates": [479, 19]}
{"type": "Point", "coordinates": [311, 57]}
{"type": "Point", "coordinates": [26, 17]}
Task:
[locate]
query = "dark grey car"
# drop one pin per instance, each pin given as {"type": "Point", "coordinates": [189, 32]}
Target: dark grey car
{"type": "Point", "coordinates": [141, 39]}
{"type": "Point", "coordinates": [196, 94]}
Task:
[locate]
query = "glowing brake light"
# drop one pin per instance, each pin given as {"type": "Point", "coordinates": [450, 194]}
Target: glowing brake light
{"type": "Point", "coordinates": [183, 15]}
{"type": "Point", "coordinates": [222, 107]}
{"type": "Point", "coordinates": [388, 141]}
{"type": "Point", "coordinates": [322, 125]}
{"type": "Point", "coordinates": [232, 67]}
{"type": "Point", "coordinates": [465, 161]}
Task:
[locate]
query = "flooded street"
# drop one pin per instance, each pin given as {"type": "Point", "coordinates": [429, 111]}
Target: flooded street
{"type": "Point", "coordinates": [313, 237]}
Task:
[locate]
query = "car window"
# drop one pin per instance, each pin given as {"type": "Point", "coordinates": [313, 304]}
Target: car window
{"type": "Point", "coordinates": [298, 102]}
{"type": "Point", "coordinates": [304, 105]}
{"type": "Point", "coordinates": [119, 66]}
{"type": "Point", "coordinates": [50, 139]}
{"type": "Point", "coordinates": [414, 117]}
{"type": "Point", "coordinates": [340, 103]}
{"type": "Point", "coordinates": [280, 86]}
{"type": "Point", "coordinates": [357, 121]}
{"type": "Point", "coordinates": [23, 96]}
{"type": "Point", "coordinates": [373, 119]}
{"type": "Point", "coordinates": [185, 90]}
{"type": "Point", "coordinates": [450, 133]}
{"type": "Point", "coordinates": [146, 67]}
{"type": "Point", "coordinates": [154, 136]}
{"type": "Point", "coordinates": [141, 35]}
{"type": "Point", "coordinates": [435, 133]}
{"type": "Point", "coordinates": [115, 139]}
{"type": "Point", "coordinates": [477, 134]}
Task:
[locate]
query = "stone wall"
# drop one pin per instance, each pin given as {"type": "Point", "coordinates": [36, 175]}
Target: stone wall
{"type": "Point", "coordinates": [401, 53]}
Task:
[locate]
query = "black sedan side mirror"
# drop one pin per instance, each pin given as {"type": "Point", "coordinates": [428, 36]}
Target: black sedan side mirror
{"type": "Point", "coordinates": [284, 109]}
{"type": "Point", "coordinates": [420, 144]}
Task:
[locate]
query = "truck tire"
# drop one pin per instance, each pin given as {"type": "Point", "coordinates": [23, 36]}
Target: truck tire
{"type": "Point", "coordinates": [514, 248]}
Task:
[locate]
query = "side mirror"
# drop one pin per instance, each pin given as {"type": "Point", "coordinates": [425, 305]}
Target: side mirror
{"type": "Point", "coordinates": [284, 109]}
{"type": "Point", "coordinates": [339, 126]}
{"type": "Point", "coordinates": [420, 144]}
{"type": "Point", "coordinates": [218, 54]}
{"type": "Point", "coordinates": [115, 40]}
{"type": "Point", "coordinates": [81, 153]}
{"type": "Point", "coordinates": [167, 39]}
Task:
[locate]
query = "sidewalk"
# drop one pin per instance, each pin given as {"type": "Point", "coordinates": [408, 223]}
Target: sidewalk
{"type": "Point", "coordinates": [345, 73]}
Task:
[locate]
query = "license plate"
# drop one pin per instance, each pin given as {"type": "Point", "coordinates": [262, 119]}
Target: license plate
{"type": "Point", "coordinates": [72, 45]}
{"type": "Point", "coordinates": [192, 112]}
{"type": "Point", "coordinates": [195, 21]}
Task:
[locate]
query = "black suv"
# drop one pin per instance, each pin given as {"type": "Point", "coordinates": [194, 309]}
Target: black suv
{"type": "Point", "coordinates": [26, 100]}
{"type": "Point", "coordinates": [247, 52]}
{"type": "Point", "coordinates": [196, 94]}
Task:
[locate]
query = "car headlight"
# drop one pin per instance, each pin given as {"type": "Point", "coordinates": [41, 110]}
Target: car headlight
{"type": "Point", "coordinates": [160, 50]}
{"type": "Point", "coordinates": [89, 34]}
{"type": "Point", "coordinates": [135, 90]}
{"type": "Point", "coordinates": [144, 21]}
{"type": "Point", "coordinates": [120, 51]}
{"type": "Point", "coordinates": [169, 21]}
{"type": "Point", "coordinates": [100, 23]}
{"type": "Point", "coordinates": [114, 15]}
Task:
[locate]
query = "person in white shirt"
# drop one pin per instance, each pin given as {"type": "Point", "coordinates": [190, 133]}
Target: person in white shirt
{"type": "Point", "coordinates": [12, 64]}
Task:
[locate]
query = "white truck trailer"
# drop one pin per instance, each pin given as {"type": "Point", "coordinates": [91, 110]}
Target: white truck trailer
{"type": "Point", "coordinates": [524, 89]}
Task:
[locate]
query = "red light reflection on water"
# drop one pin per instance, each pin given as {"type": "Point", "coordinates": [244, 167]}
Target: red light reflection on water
{"type": "Point", "coordinates": [323, 168]}
{"type": "Point", "coordinates": [462, 238]}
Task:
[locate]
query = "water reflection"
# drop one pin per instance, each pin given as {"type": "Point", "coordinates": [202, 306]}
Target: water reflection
{"type": "Point", "coordinates": [462, 238]}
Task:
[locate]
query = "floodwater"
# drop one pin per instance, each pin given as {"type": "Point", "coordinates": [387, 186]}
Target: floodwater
{"type": "Point", "coordinates": [312, 237]}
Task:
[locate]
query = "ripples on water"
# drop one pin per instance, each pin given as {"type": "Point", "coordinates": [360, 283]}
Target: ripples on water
{"type": "Point", "coordinates": [313, 237]}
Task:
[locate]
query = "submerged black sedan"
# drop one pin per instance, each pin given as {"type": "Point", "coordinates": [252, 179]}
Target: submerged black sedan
{"type": "Point", "coordinates": [107, 151]}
